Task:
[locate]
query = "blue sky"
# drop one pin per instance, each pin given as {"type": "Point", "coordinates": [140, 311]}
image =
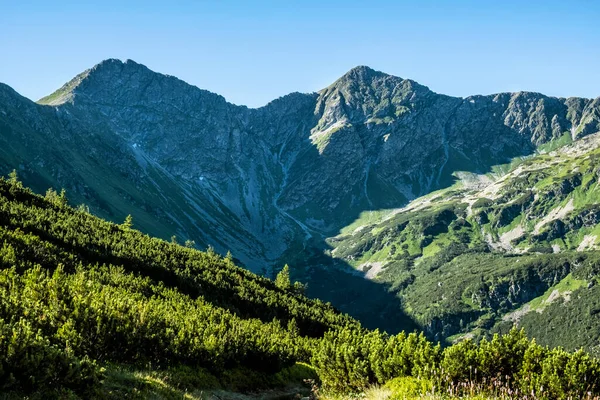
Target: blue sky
{"type": "Point", "coordinates": [254, 51]}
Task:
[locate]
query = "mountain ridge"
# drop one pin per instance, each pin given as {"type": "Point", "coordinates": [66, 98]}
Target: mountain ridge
{"type": "Point", "coordinates": [360, 72]}
{"type": "Point", "coordinates": [361, 96]}
{"type": "Point", "coordinates": [271, 184]}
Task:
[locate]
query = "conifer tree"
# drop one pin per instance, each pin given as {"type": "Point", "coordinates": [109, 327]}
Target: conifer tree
{"type": "Point", "coordinates": [13, 179]}
{"type": "Point", "coordinates": [128, 223]}
{"type": "Point", "coordinates": [51, 195]}
{"type": "Point", "coordinates": [282, 280]}
{"type": "Point", "coordinates": [62, 198]}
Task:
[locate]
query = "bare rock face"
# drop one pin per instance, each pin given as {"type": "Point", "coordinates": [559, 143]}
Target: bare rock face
{"type": "Point", "coordinates": [257, 182]}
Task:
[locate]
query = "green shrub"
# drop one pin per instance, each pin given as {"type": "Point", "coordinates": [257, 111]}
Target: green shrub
{"type": "Point", "coordinates": [74, 289]}
{"type": "Point", "coordinates": [28, 361]}
{"type": "Point", "coordinates": [408, 387]}
{"type": "Point", "coordinates": [482, 203]}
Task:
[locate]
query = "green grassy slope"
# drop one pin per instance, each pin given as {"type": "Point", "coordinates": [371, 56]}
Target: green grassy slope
{"type": "Point", "coordinates": [91, 309]}
{"type": "Point", "coordinates": [75, 288]}
{"type": "Point", "coordinates": [482, 252]}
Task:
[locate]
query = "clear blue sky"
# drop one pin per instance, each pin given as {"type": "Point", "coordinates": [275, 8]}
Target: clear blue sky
{"type": "Point", "coordinates": [254, 51]}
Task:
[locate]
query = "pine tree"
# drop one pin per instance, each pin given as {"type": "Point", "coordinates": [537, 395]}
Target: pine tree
{"type": "Point", "coordinates": [282, 280]}
{"type": "Point", "coordinates": [51, 196]}
{"type": "Point", "coordinates": [62, 197]}
{"type": "Point", "coordinates": [128, 223]}
{"type": "Point", "coordinates": [190, 244]}
{"type": "Point", "coordinates": [299, 287]}
{"type": "Point", "coordinates": [55, 198]}
{"type": "Point", "coordinates": [13, 179]}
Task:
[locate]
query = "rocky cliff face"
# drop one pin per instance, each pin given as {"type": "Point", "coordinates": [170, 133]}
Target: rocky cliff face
{"type": "Point", "coordinates": [184, 161]}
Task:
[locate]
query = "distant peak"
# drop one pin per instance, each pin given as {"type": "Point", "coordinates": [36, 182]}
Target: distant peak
{"type": "Point", "coordinates": [108, 61]}
{"type": "Point", "coordinates": [116, 61]}
{"type": "Point", "coordinates": [362, 72]}
{"type": "Point", "coordinates": [361, 76]}
{"type": "Point", "coordinates": [114, 65]}
{"type": "Point", "coordinates": [65, 93]}
{"type": "Point", "coordinates": [362, 69]}
{"type": "Point", "coordinates": [126, 80]}
{"type": "Point", "coordinates": [106, 69]}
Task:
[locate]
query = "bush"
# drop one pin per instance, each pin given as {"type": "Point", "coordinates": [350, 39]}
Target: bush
{"type": "Point", "coordinates": [513, 364]}
{"type": "Point", "coordinates": [408, 387]}
{"type": "Point", "coordinates": [482, 203]}
{"type": "Point", "coordinates": [75, 288]}
{"type": "Point", "coordinates": [28, 361]}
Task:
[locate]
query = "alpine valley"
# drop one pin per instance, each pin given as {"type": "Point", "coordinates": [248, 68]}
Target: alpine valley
{"type": "Point", "coordinates": [407, 209]}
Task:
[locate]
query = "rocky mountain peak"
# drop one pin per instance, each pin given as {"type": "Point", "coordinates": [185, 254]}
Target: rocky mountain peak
{"type": "Point", "coordinates": [360, 77]}
{"type": "Point", "coordinates": [364, 94]}
{"type": "Point", "coordinates": [109, 69]}
{"type": "Point", "coordinates": [361, 73]}
{"type": "Point", "coordinates": [6, 91]}
{"type": "Point", "coordinates": [116, 69]}
{"type": "Point", "coordinates": [128, 83]}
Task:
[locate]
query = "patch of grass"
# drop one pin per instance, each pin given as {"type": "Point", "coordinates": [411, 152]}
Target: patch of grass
{"type": "Point", "coordinates": [198, 384]}
{"type": "Point", "coordinates": [366, 218]}
{"type": "Point", "coordinates": [568, 284]}
{"type": "Point", "coordinates": [563, 140]}
{"type": "Point", "coordinates": [124, 382]}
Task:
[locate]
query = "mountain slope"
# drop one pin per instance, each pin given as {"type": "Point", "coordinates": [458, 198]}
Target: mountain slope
{"type": "Point", "coordinates": [370, 140]}
{"type": "Point", "coordinates": [515, 246]}
{"type": "Point", "coordinates": [90, 309]}
{"type": "Point", "coordinates": [74, 288]}
{"type": "Point", "coordinates": [271, 184]}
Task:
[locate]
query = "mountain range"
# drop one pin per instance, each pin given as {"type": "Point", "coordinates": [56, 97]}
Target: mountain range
{"type": "Point", "coordinates": [403, 207]}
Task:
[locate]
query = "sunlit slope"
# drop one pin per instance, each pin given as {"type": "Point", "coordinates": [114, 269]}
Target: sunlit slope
{"type": "Point", "coordinates": [464, 259]}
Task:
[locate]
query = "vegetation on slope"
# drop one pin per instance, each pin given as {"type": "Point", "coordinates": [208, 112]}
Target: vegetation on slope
{"type": "Point", "coordinates": [85, 303]}
{"type": "Point", "coordinates": [481, 254]}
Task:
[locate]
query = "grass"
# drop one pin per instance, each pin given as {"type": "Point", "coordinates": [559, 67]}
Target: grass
{"type": "Point", "coordinates": [366, 218]}
{"type": "Point", "coordinates": [189, 384]}
{"type": "Point", "coordinates": [568, 284]}
{"type": "Point", "coordinates": [439, 267]}
{"type": "Point", "coordinates": [442, 268]}
{"type": "Point", "coordinates": [125, 383]}
{"type": "Point", "coordinates": [409, 388]}
{"type": "Point", "coordinates": [438, 243]}
{"type": "Point", "coordinates": [61, 95]}
{"type": "Point", "coordinates": [503, 169]}
{"type": "Point", "coordinates": [512, 225]}
{"type": "Point", "coordinates": [557, 143]}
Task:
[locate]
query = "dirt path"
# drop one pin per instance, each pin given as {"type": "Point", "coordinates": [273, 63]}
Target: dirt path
{"type": "Point", "coordinates": [296, 393]}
